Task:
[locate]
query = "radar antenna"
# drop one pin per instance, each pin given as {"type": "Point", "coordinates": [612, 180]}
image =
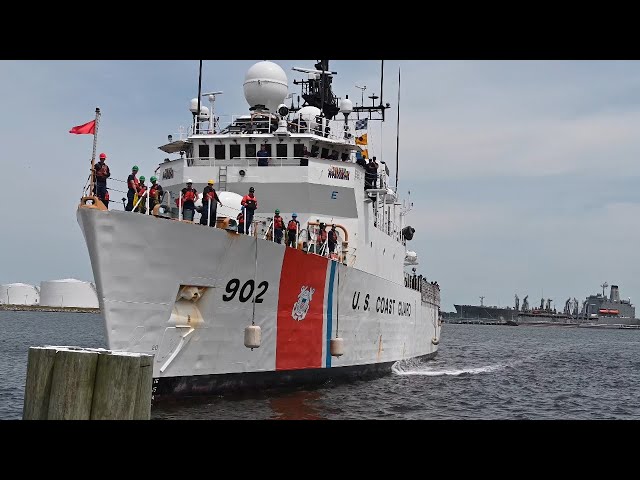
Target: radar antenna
{"type": "Point", "coordinates": [212, 99]}
{"type": "Point", "coordinates": [316, 91]}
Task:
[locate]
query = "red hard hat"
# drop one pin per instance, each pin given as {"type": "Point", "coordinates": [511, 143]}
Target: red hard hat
{"type": "Point", "coordinates": [103, 155]}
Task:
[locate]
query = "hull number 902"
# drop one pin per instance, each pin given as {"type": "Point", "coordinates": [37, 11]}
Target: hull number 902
{"type": "Point", "coordinates": [246, 291]}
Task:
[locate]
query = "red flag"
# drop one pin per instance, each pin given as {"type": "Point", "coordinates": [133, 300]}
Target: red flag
{"type": "Point", "coordinates": [87, 128]}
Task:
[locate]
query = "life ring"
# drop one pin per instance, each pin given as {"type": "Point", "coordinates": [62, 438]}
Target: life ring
{"type": "Point", "coordinates": [435, 341]}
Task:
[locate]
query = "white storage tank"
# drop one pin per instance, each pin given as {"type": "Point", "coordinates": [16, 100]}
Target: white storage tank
{"type": "Point", "coordinates": [19, 294]}
{"type": "Point", "coordinates": [68, 292]}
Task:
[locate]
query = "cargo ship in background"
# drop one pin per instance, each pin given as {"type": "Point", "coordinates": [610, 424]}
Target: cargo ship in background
{"type": "Point", "coordinates": [597, 310]}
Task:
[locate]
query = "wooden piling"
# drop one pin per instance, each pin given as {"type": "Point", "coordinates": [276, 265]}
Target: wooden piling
{"type": "Point", "coordinates": [72, 383]}
{"type": "Point", "coordinates": [116, 387]}
{"type": "Point", "coordinates": [142, 409]}
{"type": "Point", "coordinates": [37, 387]}
{"type": "Point", "coordinates": [74, 373]}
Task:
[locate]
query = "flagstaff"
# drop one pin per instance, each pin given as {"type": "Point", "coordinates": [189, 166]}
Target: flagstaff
{"type": "Point", "coordinates": [93, 155]}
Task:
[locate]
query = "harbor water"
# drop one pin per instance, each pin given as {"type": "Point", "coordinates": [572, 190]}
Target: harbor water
{"type": "Point", "coordinates": [481, 372]}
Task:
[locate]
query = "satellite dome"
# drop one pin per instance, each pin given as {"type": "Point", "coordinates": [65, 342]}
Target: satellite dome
{"type": "Point", "coordinates": [265, 83]}
{"type": "Point", "coordinates": [309, 114]}
{"type": "Point", "coordinates": [204, 113]}
{"type": "Point", "coordinates": [346, 106]}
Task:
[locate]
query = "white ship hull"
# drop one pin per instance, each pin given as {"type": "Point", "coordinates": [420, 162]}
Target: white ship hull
{"type": "Point", "coordinates": [141, 265]}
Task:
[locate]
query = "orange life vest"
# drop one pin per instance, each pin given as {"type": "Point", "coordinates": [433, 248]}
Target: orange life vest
{"type": "Point", "coordinates": [211, 195]}
{"type": "Point", "coordinates": [189, 196]}
{"type": "Point", "coordinates": [293, 225]}
{"type": "Point", "coordinates": [133, 184]}
{"type": "Point", "coordinates": [249, 202]}
{"type": "Point", "coordinates": [104, 171]}
{"type": "Point", "coordinates": [277, 222]}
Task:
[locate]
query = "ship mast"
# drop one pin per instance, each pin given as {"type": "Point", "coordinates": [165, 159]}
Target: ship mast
{"type": "Point", "coordinates": [398, 132]}
{"type": "Point", "coordinates": [481, 301]}
{"type": "Point", "coordinates": [604, 285]}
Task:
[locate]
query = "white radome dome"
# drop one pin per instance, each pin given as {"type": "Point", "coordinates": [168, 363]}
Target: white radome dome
{"type": "Point", "coordinates": [265, 83]}
{"type": "Point", "coordinates": [204, 113]}
{"type": "Point", "coordinates": [346, 106]}
{"type": "Point", "coordinates": [309, 114]}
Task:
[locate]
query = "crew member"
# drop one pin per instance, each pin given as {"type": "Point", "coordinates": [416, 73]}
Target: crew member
{"type": "Point", "coordinates": [142, 199]}
{"type": "Point", "coordinates": [240, 219]}
{"type": "Point", "coordinates": [278, 227]}
{"type": "Point", "coordinates": [132, 183]}
{"type": "Point", "coordinates": [210, 201]}
{"type": "Point", "coordinates": [156, 193]}
{"type": "Point", "coordinates": [189, 197]}
{"type": "Point", "coordinates": [293, 227]}
{"type": "Point", "coordinates": [263, 156]}
{"type": "Point", "coordinates": [332, 238]}
{"type": "Point", "coordinates": [105, 200]}
{"type": "Point", "coordinates": [101, 170]}
{"type": "Point", "coordinates": [321, 238]}
{"type": "Point", "coordinates": [250, 203]}
{"type": "Point", "coordinates": [371, 174]}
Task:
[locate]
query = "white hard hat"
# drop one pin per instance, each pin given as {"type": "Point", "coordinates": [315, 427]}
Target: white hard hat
{"type": "Point", "coordinates": [189, 180]}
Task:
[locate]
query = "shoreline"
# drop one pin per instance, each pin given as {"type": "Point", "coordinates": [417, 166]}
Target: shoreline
{"type": "Point", "coordinates": [39, 308]}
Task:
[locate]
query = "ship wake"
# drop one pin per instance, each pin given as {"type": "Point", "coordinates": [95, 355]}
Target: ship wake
{"type": "Point", "coordinates": [416, 368]}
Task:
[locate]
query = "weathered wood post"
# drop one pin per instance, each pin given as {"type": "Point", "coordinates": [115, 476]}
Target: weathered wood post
{"type": "Point", "coordinates": [116, 387]}
{"type": "Point", "coordinates": [142, 410]}
{"type": "Point", "coordinates": [74, 374]}
{"type": "Point", "coordinates": [70, 383]}
{"type": "Point", "coordinates": [38, 383]}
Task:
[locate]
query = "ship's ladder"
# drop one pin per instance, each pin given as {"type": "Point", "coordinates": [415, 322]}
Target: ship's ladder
{"type": "Point", "coordinates": [222, 178]}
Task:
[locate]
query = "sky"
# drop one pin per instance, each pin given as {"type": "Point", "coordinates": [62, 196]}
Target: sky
{"type": "Point", "coordinates": [523, 174]}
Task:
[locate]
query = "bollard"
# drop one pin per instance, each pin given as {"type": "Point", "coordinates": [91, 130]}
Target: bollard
{"type": "Point", "coordinates": [71, 383]}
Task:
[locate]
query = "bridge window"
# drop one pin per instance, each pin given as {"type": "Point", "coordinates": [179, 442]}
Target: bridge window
{"type": "Point", "coordinates": [281, 150]}
{"type": "Point", "coordinates": [325, 153]}
{"type": "Point", "coordinates": [234, 151]}
{"type": "Point", "coordinates": [203, 151]}
{"type": "Point", "coordinates": [250, 150]}
{"type": "Point", "coordinates": [298, 150]}
{"type": "Point", "coordinates": [219, 152]}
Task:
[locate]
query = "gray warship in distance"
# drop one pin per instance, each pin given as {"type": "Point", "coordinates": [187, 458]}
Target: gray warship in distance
{"type": "Point", "coordinates": [597, 310]}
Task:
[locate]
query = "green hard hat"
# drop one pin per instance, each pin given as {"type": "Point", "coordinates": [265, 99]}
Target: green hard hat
{"type": "Point", "coordinates": [135, 167]}
{"type": "Point", "coordinates": [153, 179]}
{"type": "Point", "coordinates": [277, 212]}
{"type": "Point", "coordinates": [142, 178]}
